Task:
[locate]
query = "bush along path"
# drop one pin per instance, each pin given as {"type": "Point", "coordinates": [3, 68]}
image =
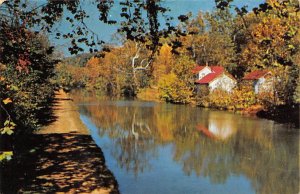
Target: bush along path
{"type": "Point", "coordinates": [65, 160]}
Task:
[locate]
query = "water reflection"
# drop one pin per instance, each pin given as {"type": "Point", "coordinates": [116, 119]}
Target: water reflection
{"type": "Point", "coordinates": [209, 144]}
{"type": "Point", "coordinates": [220, 126]}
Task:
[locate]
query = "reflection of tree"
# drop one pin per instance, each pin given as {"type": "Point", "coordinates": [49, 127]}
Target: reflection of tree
{"type": "Point", "coordinates": [127, 126]}
{"type": "Point", "coordinates": [134, 151]}
{"type": "Point", "coordinates": [272, 165]}
{"type": "Point", "coordinates": [134, 155]}
{"type": "Point", "coordinates": [199, 155]}
{"type": "Point", "coordinates": [254, 148]}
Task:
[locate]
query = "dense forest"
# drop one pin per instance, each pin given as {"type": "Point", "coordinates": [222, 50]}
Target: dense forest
{"type": "Point", "coordinates": [154, 61]}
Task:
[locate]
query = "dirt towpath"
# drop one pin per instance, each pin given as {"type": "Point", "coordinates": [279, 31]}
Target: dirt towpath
{"type": "Point", "coordinates": [60, 158]}
{"type": "Point", "coordinates": [66, 117]}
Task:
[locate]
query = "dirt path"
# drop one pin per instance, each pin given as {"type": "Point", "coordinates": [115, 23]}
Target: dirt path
{"type": "Point", "coordinates": [61, 158]}
{"type": "Point", "coordinates": [67, 117]}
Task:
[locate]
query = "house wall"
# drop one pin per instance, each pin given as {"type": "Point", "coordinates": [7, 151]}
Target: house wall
{"type": "Point", "coordinates": [222, 82]}
{"type": "Point", "coordinates": [263, 85]}
{"type": "Point", "coordinates": [205, 71]}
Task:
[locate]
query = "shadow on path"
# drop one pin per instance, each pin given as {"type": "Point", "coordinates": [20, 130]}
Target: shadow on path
{"type": "Point", "coordinates": [52, 163]}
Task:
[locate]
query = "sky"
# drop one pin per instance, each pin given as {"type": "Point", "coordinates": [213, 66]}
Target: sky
{"type": "Point", "coordinates": [105, 32]}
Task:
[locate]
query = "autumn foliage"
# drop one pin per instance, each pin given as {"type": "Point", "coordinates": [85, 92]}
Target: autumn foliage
{"type": "Point", "coordinates": [26, 69]}
{"type": "Point", "coordinates": [261, 39]}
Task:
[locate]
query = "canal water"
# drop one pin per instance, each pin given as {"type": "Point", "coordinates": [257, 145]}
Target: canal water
{"type": "Point", "coordinates": [159, 148]}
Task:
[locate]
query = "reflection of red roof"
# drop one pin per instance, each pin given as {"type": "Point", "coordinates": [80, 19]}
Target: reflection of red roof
{"type": "Point", "coordinates": [197, 69]}
{"type": "Point", "coordinates": [205, 131]}
{"type": "Point", "coordinates": [216, 72]}
{"type": "Point", "coordinates": [255, 74]}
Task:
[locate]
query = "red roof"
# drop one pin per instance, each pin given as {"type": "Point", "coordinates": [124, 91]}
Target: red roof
{"type": "Point", "coordinates": [197, 69]}
{"type": "Point", "coordinates": [216, 72]}
{"type": "Point", "coordinates": [255, 74]}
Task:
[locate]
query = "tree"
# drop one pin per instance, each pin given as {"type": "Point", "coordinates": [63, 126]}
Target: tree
{"type": "Point", "coordinates": [163, 63]}
{"type": "Point", "coordinates": [25, 89]}
{"type": "Point", "coordinates": [27, 72]}
{"type": "Point", "coordinates": [275, 44]}
{"type": "Point", "coordinates": [268, 38]}
{"type": "Point", "coordinates": [172, 89]}
{"type": "Point", "coordinates": [177, 86]}
{"type": "Point", "coordinates": [209, 39]}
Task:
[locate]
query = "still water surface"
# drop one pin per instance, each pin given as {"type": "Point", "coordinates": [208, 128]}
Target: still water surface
{"type": "Point", "coordinates": [163, 148]}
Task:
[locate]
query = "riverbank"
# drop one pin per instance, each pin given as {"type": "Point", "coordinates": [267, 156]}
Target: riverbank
{"type": "Point", "coordinates": [60, 158]}
{"type": "Point", "coordinates": [280, 114]}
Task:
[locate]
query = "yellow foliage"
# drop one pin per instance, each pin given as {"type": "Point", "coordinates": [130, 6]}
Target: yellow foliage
{"type": "Point", "coordinates": [149, 94]}
{"type": "Point", "coordinates": [173, 89]}
{"type": "Point", "coordinates": [243, 98]}
{"type": "Point", "coordinates": [7, 101]}
{"type": "Point", "coordinates": [6, 155]}
{"type": "Point", "coordinates": [273, 37]}
{"type": "Point", "coordinates": [237, 99]}
{"type": "Point", "coordinates": [163, 62]}
{"type": "Point", "coordinates": [219, 99]}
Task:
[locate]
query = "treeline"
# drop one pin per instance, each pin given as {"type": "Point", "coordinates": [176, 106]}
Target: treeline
{"type": "Point", "coordinates": [265, 38]}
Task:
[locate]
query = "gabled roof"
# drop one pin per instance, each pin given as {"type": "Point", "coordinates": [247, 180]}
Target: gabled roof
{"type": "Point", "coordinates": [197, 69]}
{"type": "Point", "coordinates": [254, 75]}
{"type": "Point", "coordinates": [216, 72]}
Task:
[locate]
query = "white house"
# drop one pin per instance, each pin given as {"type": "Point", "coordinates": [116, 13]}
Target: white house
{"type": "Point", "coordinates": [262, 80]}
{"type": "Point", "coordinates": [215, 77]}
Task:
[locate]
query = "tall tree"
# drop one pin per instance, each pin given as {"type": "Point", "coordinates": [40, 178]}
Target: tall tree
{"type": "Point", "coordinates": [274, 45]}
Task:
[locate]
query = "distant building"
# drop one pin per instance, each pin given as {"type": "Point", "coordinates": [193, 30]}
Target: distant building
{"type": "Point", "coordinates": [261, 80]}
{"type": "Point", "coordinates": [214, 77]}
